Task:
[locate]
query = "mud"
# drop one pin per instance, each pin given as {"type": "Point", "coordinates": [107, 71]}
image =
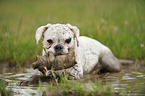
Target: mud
{"type": "Point", "coordinates": [130, 81]}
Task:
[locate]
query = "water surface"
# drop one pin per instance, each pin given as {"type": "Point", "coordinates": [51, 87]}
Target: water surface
{"type": "Point", "coordinates": [130, 81]}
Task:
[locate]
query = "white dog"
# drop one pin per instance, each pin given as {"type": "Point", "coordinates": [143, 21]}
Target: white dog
{"type": "Point", "coordinates": [89, 53]}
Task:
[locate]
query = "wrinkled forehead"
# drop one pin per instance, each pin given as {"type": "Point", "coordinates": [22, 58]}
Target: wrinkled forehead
{"type": "Point", "coordinates": [60, 31]}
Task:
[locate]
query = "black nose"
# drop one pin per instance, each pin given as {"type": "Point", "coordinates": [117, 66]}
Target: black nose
{"type": "Point", "coordinates": [58, 48]}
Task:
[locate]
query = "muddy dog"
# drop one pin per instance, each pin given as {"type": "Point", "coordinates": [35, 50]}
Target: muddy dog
{"type": "Point", "coordinates": [89, 53]}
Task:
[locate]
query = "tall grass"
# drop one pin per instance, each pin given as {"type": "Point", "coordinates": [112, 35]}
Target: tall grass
{"type": "Point", "coordinates": [117, 24]}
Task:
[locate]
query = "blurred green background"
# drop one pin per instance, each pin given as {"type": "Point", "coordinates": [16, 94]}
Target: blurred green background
{"type": "Point", "coordinates": [118, 24]}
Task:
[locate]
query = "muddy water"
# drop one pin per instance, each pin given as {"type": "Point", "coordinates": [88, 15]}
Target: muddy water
{"type": "Point", "coordinates": [131, 81]}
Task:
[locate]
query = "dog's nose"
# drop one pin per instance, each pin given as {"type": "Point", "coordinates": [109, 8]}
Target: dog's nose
{"type": "Point", "coordinates": [58, 48]}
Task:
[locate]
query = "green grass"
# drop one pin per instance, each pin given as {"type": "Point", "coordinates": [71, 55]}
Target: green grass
{"type": "Point", "coordinates": [3, 90]}
{"type": "Point", "coordinates": [78, 88]}
{"type": "Point", "coordinates": [119, 24]}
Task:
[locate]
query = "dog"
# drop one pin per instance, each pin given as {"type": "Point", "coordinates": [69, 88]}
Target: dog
{"type": "Point", "coordinates": [89, 53]}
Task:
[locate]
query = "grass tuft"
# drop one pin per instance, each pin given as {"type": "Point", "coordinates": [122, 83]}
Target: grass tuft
{"type": "Point", "coordinates": [77, 88]}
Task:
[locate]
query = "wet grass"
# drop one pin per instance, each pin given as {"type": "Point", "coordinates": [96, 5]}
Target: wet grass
{"type": "Point", "coordinates": [66, 88]}
{"type": "Point", "coordinates": [4, 91]}
{"type": "Point", "coordinates": [117, 24]}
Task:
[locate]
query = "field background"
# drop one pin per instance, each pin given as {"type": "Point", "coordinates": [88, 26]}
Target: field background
{"type": "Point", "coordinates": [118, 24]}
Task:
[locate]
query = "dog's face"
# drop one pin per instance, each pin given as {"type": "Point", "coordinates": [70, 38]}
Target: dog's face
{"type": "Point", "coordinates": [58, 38]}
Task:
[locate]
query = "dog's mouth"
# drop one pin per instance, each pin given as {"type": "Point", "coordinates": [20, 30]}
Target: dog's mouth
{"type": "Point", "coordinates": [60, 53]}
{"type": "Point", "coordinates": [56, 51]}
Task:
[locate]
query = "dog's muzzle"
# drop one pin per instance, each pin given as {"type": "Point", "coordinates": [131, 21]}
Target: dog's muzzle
{"type": "Point", "coordinates": [58, 49]}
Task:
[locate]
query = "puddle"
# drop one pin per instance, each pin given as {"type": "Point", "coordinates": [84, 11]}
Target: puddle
{"type": "Point", "coordinates": [131, 81]}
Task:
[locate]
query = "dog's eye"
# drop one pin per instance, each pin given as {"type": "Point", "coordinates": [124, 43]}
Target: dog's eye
{"type": "Point", "coordinates": [68, 40]}
{"type": "Point", "coordinates": [49, 41]}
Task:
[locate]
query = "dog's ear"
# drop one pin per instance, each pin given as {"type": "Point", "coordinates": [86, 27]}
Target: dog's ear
{"type": "Point", "coordinates": [40, 31]}
{"type": "Point", "coordinates": [76, 32]}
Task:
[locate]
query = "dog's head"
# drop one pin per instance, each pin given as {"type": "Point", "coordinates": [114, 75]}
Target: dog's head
{"type": "Point", "coordinates": [58, 38]}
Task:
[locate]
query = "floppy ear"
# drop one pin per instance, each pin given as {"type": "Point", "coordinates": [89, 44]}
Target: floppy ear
{"type": "Point", "coordinates": [76, 32]}
{"type": "Point", "coordinates": [40, 31]}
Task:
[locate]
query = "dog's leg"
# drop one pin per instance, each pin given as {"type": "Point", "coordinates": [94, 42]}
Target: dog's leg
{"type": "Point", "coordinates": [110, 63]}
{"type": "Point", "coordinates": [43, 52]}
{"type": "Point", "coordinates": [75, 72]}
